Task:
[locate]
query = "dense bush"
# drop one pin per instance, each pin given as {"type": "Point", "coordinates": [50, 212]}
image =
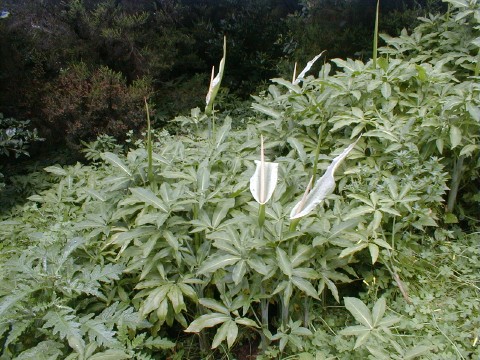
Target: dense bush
{"type": "Point", "coordinates": [84, 103]}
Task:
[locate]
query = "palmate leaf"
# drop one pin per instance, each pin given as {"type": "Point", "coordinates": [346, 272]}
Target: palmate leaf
{"type": "Point", "coordinates": [229, 331]}
{"type": "Point", "coordinates": [148, 197]}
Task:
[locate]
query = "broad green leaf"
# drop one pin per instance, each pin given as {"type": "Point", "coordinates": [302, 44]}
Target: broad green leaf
{"type": "Point", "coordinates": [223, 132]}
{"type": "Point", "coordinates": [305, 286]}
{"type": "Point", "coordinates": [221, 211]}
{"type": "Point", "coordinates": [266, 110]}
{"type": "Point", "coordinates": [386, 90]}
{"type": "Point", "coordinates": [298, 146]}
{"type": "Point", "coordinates": [455, 136]}
{"type": "Point", "coordinates": [416, 352]}
{"type": "Point", "coordinates": [352, 249]}
{"type": "Point", "coordinates": [359, 211]}
{"type": "Point", "coordinates": [176, 299]}
{"type": "Point", "coordinates": [111, 354]}
{"type": "Point", "coordinates": [378, 310]}
{"type": "Point", "coordinates": [206, 321]}
{"type": "Point", "coordinates": [359, 311]}
{"type": "Point", "coordinates": [361, 340]}
{"type": "Point", "coordinates": [214, 305]}
{"type": "Point", "coordinates": [57, 170]}
{"type": "Point", "coordinates": [228, 331]}
{"type": "Point", "coordinates": [378, 353]}
{"type": "Point", "coordinates": [246, 322]}
{"type": "Point", "coordinates": [148, 197]}
{"type": "Point", "coordinates": [203, 176]}
{"type": "Point", "coordinates": [239, 271]}
{"type": "Point", "coordinates": [218, 262]}
{"type": "Point", "coordinates": [324, 187]}
{"type": "Point", "coordinates": [283, 262]}
{"type": "Point", "coordinates": [115, 160]}
{"type": "Point", "coordinates": [292, 87]}
{"type": "Point", "coordinates": [374, 250]}
{"type": "Point", "coordinates": [355, 330]}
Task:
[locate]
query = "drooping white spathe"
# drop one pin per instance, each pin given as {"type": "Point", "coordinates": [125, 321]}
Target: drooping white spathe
{"type": "Point", "coordinates": [305, 70]}
{"type": "Point", "coordinates": [264, 180]}
{"type": "Point", "coordinates": [215, 81]}
{"type": "Point", "coordinates": [324, 187]}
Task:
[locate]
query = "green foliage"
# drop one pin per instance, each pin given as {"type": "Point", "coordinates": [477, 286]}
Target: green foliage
{"type": "Point", "coordinates": [162, 240]}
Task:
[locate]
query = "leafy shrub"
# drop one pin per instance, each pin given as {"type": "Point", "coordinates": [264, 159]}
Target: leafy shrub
{"type": "Point", "coordinates": [15, 138]}
{"type": "Point", "coordinates": [84, 103]}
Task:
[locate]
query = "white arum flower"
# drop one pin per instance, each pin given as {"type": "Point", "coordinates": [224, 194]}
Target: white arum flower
{"type": "Point", "coordinates": [215, 81]}
{"type": "Point", "coordinates": [305, 70]}
{"type": "Point", "coordinates": [264, 180]}
{"type": "Point", "coordinates": [324, 187]}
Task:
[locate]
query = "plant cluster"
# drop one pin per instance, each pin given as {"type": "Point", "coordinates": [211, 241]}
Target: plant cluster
{"type": "Point", "coordinates": [220, 236]}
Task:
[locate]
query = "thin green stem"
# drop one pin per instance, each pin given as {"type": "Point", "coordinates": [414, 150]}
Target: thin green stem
{"type": "Point", "coordinates": [375, 37]}
{"type": "Point", "coordinates": [149, 145]}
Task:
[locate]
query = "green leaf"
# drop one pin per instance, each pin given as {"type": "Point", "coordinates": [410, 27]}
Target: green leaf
{"type": "Point", "coordinates": [305, 286]}
{"type": "Point", "coordinates": [359, 211]}
{"type": "Point", "coordinates": [386, 90]}
{"type": "Point", "coordinates": [57, 170]}
{"type": "Point", "coordinates": [214, 305]}
{"type": "Point", "coordinates": [218, 262]}
{"type": "Point", "coordinates": [298, 146]}
{"type": "Point", "coordinates": [206, 321]}
{"type": "Point", "coordinates": [455, 136]}
{"type": "Point", "coordinates": [239, 271]}
{"type": "Point", "coordinates": [359, 311]}
{"type": "Point", "coordinates": [111, 354]}
{"type": "Point", "coordinates": [373, 252]}
{"type": "Point", "coordinates": [378, 310]}
{"type": "Point", "coordinates": [148, 197]}
{"type": "Point", "coordinates": [221, 211]}
{"type": "Point", "coordinates": [416, 352]}
{"type": "Point", "coordinates": [283, 262]}
{"type": "Point", "coordinates": [292, 87]}
{"type": "Point", "coordinates": [355, 330]}
{"type": "Point", "coordinates": [266, 110]}
{"type": "Point", "coordinates": [115, 160]}
{"type": "Point", "coordinates": [352, 249]}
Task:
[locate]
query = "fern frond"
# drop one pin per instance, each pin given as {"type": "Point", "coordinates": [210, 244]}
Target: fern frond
{"type": "Point", "coordinates": [46, 350]}
{"type": "Point", "coordinates": [63, 322]}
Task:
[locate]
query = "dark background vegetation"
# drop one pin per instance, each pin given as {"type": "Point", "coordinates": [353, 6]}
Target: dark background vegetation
{"type": "Point", "coordinates": [78, 69]}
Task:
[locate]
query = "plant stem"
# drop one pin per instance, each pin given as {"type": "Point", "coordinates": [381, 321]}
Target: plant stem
{"type": "Point", "coordinates": [264, 310]}
{"type": "Point", "coordinates": [149, 145]}
{"type": "Point", "coordinates": [375, 37]}
{"type": "Point", "coordinates": [456, 177]}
